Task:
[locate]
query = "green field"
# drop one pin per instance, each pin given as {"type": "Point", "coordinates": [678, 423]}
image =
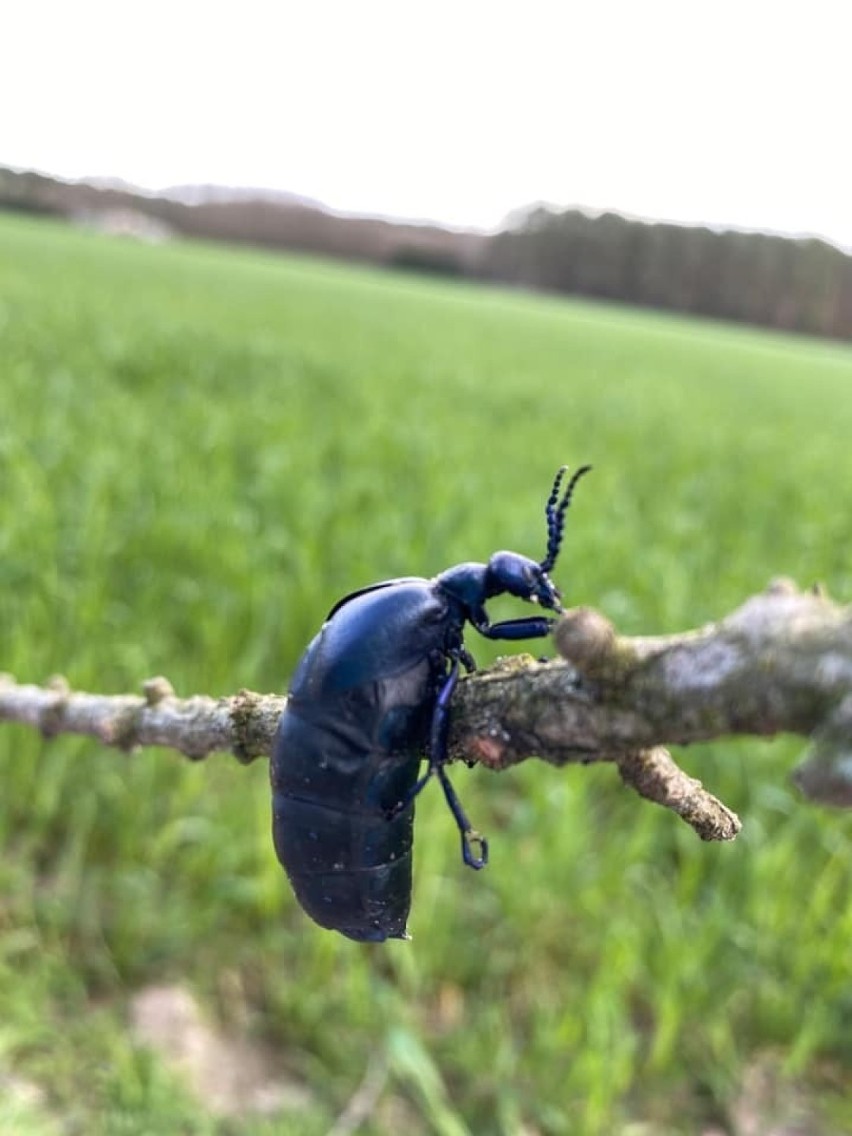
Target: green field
{"type": "Point", "coordinates": [200, 450]}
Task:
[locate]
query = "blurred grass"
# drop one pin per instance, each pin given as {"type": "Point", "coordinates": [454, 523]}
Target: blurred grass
{"type": "Point", "coordinates": [200, 450]}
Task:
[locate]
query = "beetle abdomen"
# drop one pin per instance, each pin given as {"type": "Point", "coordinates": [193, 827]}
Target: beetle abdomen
{"type": "Point", "coordinates": [347, 754]}
{"type": "Point", "coordinates": [350, 872]}
{"type": "Point", "coordinates": [348, 861]}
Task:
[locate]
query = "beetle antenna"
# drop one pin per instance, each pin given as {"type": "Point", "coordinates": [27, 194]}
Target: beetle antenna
{"type": "Point", "coordinates": [556, 513]}
{"type": "Point", "coordinates": [554, 496]}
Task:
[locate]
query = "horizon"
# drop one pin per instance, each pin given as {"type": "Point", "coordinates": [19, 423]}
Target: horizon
{"type": "Point", "coordinates": [182, 192]}
{"type": "Point", "coordinates": [725, 117]}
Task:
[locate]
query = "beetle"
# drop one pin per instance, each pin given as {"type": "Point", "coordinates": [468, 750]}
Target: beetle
{"type": "Point", "coordinates": [369, 699]}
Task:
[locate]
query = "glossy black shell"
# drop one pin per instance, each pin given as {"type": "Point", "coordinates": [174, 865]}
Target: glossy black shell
{"type": "Point", "coordinates": [348, 750]}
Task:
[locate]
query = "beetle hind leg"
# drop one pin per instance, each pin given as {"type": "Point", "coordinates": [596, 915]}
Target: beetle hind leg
{"type": "Point", "coordinates": [470, 838]}
{"type": "Point", "coordinates": [413, 792]}
{"type": "Point", "coordinates": [474, 845]}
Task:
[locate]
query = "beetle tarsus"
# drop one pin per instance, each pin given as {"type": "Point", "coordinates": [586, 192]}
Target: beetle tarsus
{"type": "Point", "coordinates": [472, 837]}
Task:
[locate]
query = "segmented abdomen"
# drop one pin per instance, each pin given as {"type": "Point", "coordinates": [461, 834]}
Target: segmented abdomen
{"type": "Point", "coordinates": [349, 863]}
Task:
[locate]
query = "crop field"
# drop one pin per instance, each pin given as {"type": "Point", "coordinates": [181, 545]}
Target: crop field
{"type": "Point", "coordinates": [201, 449]}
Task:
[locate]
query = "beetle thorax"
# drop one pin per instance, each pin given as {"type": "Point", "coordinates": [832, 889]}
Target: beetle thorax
{"type": "Point", "coordinates": [465, 587]}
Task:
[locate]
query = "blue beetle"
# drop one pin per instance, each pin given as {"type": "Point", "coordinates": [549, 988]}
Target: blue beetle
{"type": "Point", "coordinates": [370, 698]}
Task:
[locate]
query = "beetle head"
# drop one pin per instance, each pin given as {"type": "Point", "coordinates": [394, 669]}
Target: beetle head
{"type": "Point", "coordinates": [528, 579]}
{"type": "Point", "coordinates": [519, 576]}
{"type": "Point", "coordinates": [509, 572]}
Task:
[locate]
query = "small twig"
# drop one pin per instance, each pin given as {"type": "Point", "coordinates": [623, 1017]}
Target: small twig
{"type": "Point", "coordinates": [654, 775]}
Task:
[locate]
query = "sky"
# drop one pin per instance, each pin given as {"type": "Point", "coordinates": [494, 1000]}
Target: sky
{"type": "Point", "coordinates": [729, 114]}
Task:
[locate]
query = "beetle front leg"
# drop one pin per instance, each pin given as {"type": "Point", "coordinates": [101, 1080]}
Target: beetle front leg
{"type": "Point", "coordinates": [535, 627]}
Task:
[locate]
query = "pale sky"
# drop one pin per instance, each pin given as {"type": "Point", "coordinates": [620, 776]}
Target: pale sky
{"type": "Point", "coordinates": [724, 113]}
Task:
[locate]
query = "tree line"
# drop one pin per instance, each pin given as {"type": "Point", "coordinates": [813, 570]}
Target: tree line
{"type": "Point", "coordinates": [798, 285]}
{"type": "Point", "coordinates": [802, 285]}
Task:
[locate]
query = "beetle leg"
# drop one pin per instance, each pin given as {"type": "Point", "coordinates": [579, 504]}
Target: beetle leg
{"type": "Point", "coordinates": [470, 838]}
{"type": "Point", "coordinates": [468, 661]}
{"type": "Point", "coordinates": [411, 794]}
{"type": "Point", "coordinates": [535, 627]}
{"type": "Point", "coordinates": [437, 736]}
{"type": "Point", "coordinates": [437, 761]}
{"type": "Point", "coordinates": [441, 717]}
{"type": "Point", "coordinates": [469, 835]}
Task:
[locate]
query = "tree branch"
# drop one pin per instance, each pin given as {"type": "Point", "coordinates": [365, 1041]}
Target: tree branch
{"type": "Point", "coordinates": [243, 724]}
{"type": "Point", "coordinates": [781, 662]}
